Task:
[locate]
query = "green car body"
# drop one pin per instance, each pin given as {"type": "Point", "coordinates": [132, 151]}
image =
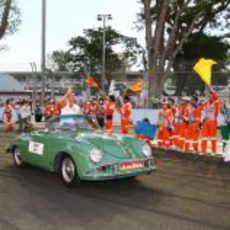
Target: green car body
{"type": "Point", "coordinates": [96, 155]}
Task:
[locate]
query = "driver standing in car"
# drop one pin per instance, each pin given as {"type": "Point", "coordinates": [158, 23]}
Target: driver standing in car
{"type": "Point", "coordinates": [68, 105]}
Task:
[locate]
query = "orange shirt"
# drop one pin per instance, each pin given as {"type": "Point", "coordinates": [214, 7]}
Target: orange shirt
{"type": "Point", "coordinates": [8, 109]}
{"type": "Point", "coordinates": [110, 107]}
{"type": "Point", "coordinates": [126, 110]}
{"type": "Point", "coordinates": [93, 109]}
{"type": "Point", "coordinates": [165, 117]}
{"type": "Point", "coordinates": [186, 112]}
{"type": "Point", "coordinates": [211, 110]}
{"type": "Point", "coordinates": [50, 110]}
{"type": "Point", "coordinates": [86, 109]}
{"type": "Point", "coordinates": [58, 108]}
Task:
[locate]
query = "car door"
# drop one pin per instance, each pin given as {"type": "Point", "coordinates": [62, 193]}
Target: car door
{"type": "Point", "coordinates": [37, 153]}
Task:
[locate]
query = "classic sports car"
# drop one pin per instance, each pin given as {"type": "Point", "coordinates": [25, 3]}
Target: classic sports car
{"type": "Point", "coordinates": [72, 146]}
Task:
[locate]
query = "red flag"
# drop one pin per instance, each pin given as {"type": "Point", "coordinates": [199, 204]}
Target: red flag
{"type": "Point", "coordinates": [91, 82]}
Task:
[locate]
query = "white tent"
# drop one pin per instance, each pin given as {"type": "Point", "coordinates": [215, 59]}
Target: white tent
{"type": "Point", "coordinates": [9, 84]}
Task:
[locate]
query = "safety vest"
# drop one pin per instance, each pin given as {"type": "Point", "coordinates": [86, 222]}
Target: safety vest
{"type": "Point", "coordinates": [177, 118]}
{"type": "Point", "coordinates": [165, 117]}
{"type": "Point", "coordinates": [86, 109]}
{"type": "Point", "coordinates": [8, 110]}
{"type": "Point", "coordinates": [186, 111]}
{"type": "Point", "coordinates": [57, 111]}
{"type": "Point", "coordinates": [50, 109]}
{"type": "Point", "coordinates": [194, 114]}
{"type": "Point", "coordinates": [211, 111]}
{"type": "Point", "coordinates": [94, 109]}
{"type": "Point", "coordinates": [109, 108]}
{"type": "Point", "coordinates": [126, 111]}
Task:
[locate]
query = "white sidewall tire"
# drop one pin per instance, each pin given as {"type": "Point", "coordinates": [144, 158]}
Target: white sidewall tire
{"type": "Point", "coordinates": [17, 158]}
{"type": "Point", "coordinates": [69, 172]}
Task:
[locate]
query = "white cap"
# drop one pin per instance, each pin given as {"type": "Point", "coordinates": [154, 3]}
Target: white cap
{"type": "Point", "coordinates": [186, 99]}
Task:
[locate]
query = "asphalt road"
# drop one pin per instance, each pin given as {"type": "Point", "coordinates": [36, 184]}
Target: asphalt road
{"type": "Point", "coordinates": [186, 192]}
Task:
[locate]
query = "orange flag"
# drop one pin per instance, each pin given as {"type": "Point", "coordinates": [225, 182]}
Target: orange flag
{"type": "Point", "coordinates": [137, 86]}
{"type": "Point", "coordinates": [91, 82]}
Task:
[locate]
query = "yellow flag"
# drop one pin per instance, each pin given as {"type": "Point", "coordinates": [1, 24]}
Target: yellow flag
{"type": "Point", "coordinates": [203, 68]}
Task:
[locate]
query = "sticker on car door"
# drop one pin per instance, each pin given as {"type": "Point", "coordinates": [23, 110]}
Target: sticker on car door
{"type": "Point", "coordinates": [36, 148]}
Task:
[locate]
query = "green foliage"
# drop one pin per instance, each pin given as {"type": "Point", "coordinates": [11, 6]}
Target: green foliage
{"type": "Point", "coordinates": [85, 52]}
{"type": "Point", "coordinates": [61, 58]}
{"type": "Point", "coordinates": [169, 24]}
{"type": "Point", "coordinates": [10, 17]}
{"type": "Point", "coordinates": [203, 45]}
{"type": "Point", "coordinates": [200, 45]}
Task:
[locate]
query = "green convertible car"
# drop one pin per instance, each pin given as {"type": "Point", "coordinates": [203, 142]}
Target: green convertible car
{"type": "Point", "coordinates": [73, 146]}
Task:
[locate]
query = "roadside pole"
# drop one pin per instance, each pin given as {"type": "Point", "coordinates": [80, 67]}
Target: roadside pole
{"type": "Point", "coordinates": [43, 52]}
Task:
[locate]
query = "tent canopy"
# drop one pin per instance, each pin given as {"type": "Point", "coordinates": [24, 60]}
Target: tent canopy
{"type": "Point", "coordinates": [9, 84]}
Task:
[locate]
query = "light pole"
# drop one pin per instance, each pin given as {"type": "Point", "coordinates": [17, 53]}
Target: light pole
{"type": "Point", "coordinates": [34, 70]}
{"type": "Point", "coordinates": [43, 51]}
{"type": "Point", "coordinates": [103, 18]}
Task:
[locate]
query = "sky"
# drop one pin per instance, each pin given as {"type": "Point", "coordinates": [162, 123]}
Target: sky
{"type": "Point", "coordinates": [65, 19]}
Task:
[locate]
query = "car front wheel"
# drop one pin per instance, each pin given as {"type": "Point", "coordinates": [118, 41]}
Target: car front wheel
{"type": "Point", "coordinates": [69, 172]}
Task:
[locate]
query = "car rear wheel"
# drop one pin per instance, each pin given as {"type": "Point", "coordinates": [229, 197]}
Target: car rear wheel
{"type": "Point", "coordinates": [17, 158]}
{"type": "Point", "coordinates": [69, 172]}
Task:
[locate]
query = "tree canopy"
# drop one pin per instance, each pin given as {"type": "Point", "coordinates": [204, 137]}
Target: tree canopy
{"type": "Point", "coordinates": [85, 52]}
{"type": "Point", "coordinates": [199, 45]}
{"type": "Point", "coordinates": [9, 17]}
{"type": "Point", "coordinates": [168, 26]}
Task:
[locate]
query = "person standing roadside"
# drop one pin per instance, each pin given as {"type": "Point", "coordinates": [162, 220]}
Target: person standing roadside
{"type": "Point", "coordinates": [177, 123]}
{"type": "Point", "coordinates": [101, 113]}
{"type": "Point", "coordinates": [125, 112]}
{"type": "Point", "coordinates": [38, 113]}
{"type": "Point", "coordinates": [185, 109]}
{"type": "Point", "coordinates": [86, 108]}
{"type": "Point", "coordinates": [50, 109]}
{"type": "Point", "coordinates": [165, 121]}
{"type": "Point", "coordinates": [9, 114]}
{"type": "Point", "coordinates": [109, 111]}
{"type": "Point", "coordinates": [173, 134]}
{"type": "Point", "coordinates": [19, 119]}
{"type": "Point", "coordinates": [94, 108]}
{"type": "Point", "coordinates": [209, 125]}
{"type": "Point", "coordinates": [193, 128]}
{"type": "Point", "coordinates": [224, 124]}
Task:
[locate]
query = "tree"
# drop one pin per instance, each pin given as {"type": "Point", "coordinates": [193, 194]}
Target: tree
{"type": "Point", "coordinates": [9, 17]}
{"type": "Point", "coordinates": [85, 52]}
{"type": "Point", "coordinates": [168, 25]}
{"type": "Point", "coordinates": [60, 60]}
{"type": "Point", "coordinates": [212, 47]}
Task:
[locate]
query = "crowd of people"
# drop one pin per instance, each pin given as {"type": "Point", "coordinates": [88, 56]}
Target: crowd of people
{"type": "Point", "coordinates": [23, 111]}
{"type": "Point", "coordinates": [101, 109]}
{"type": "Point", "coordinates": [186, 125]}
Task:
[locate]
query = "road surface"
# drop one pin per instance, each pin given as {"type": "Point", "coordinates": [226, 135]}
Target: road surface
{"type": "Point", "coordinates": [186, 192]}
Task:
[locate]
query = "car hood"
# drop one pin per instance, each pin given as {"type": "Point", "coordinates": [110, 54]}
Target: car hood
{"type": "Point", "coordinates": [111, 144]}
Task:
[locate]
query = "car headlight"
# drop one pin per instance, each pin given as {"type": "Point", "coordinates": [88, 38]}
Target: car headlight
{"type": "Point", "coordinates": [95, 155]}
{"type": "Point", "coordinates": [146, 150]}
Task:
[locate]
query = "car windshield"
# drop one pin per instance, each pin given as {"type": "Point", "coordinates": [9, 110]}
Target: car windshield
{"type": "Point", "coordinates": [72, 122]}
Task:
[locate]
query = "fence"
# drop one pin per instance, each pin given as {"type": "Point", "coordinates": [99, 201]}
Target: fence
{"type": "Point", "coordinates": [177, 84]}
